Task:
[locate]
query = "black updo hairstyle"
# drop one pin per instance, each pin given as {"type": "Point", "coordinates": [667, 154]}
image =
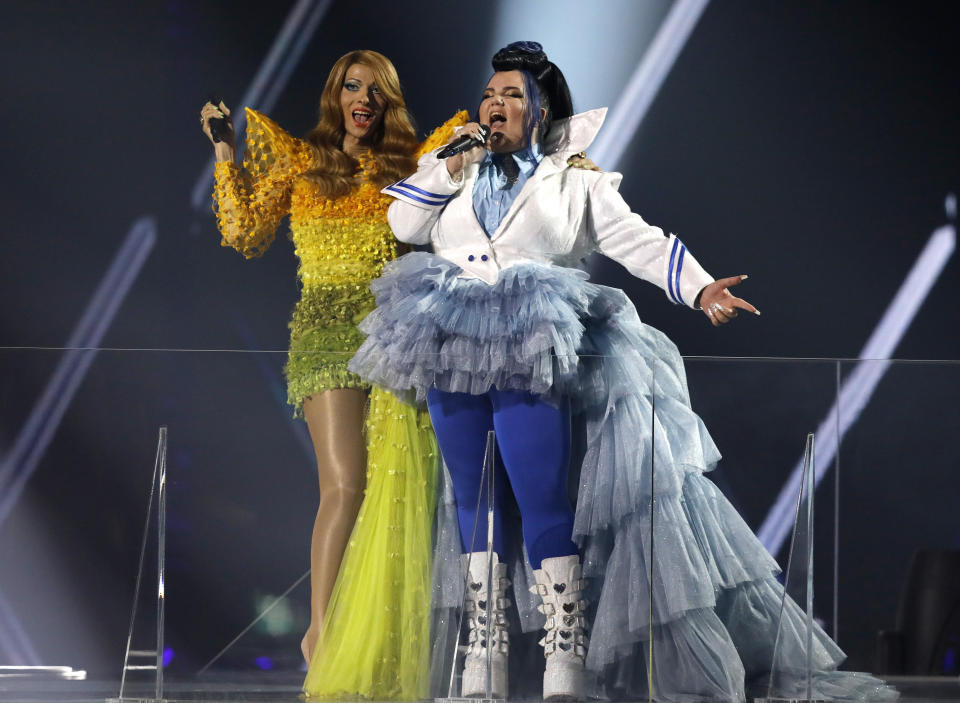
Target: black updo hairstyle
{"type": "Point", "coordinates": [551, 92]}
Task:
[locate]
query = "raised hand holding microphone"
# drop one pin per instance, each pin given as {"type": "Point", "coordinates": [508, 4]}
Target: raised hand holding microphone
{"type": "Point", "coordinates": [465, 148]}
{"type": "Point", "coordinates": [464, 142]}
{"type": "Point", "coordinates": [224, 141]}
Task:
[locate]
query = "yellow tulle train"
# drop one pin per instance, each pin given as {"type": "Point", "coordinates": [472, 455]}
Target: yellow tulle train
{"type": "Point", "coordinates": [375, 638]}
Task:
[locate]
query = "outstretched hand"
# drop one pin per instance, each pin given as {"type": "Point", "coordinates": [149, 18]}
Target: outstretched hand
{"type": "Point", "coordinates": [719, 304]}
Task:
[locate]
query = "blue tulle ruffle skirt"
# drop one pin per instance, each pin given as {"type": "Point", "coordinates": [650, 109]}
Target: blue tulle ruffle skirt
{"type": "Point", "coordinates": [643, 505]}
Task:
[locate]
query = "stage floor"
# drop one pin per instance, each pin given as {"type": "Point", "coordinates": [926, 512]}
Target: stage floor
{"type": "Point", "coordinates": [286, 689]}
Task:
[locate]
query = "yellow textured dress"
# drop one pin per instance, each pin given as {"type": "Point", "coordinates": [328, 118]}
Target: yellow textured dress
{"type": "Point", "coordinates": [374, 641]}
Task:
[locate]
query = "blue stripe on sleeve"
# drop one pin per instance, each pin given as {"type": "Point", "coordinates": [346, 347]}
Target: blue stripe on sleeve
{"type": "Point", "coordinates": [673, 256]}
{"type": "Point", "coordinates": [400, 188]}
{"type": "Point", "coordinates": [676, 284]}
{"type": "Point", "coordinates": [409, 196]}
{"type": "Point", "coordinates": [403, 184]}
{"type": "Point", "coordinates": [406, 187]}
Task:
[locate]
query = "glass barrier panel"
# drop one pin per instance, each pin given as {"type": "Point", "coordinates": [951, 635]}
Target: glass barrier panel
{"type": "Point", "coordinates": [792, 662]}
{"type": "Point", "coordinates": [741, 461]}
{"type": "Point", "coordinates": [898, 528]}
{"type": "Point", "coordinates": [241, 500]}
{"type": "Point", "coordinates": [658, 479]}
{"type": "Point", "coordinates": [481, 614]}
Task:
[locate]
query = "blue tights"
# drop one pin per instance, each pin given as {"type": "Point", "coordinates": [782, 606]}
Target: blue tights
{"type": "Point", "coordinates": [533, 438]}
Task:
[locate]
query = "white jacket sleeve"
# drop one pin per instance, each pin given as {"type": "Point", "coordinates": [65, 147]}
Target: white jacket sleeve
{"type": "Point", "coordinates": [420, 199]}
{"type": "Point", "coordinates": [643, 249]}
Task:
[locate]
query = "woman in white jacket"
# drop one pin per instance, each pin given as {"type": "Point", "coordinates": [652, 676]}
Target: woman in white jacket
{"type": "Point", "coordinates": [497, 330]}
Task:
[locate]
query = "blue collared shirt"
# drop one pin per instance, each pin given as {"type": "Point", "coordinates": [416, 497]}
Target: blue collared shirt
{"type": "Point", "coordinates": [493, 194]}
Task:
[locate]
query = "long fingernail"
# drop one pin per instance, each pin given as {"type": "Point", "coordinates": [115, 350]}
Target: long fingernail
{"type": "Point", "coordinates": [756, 312]}
{"type": "Point", "coordinates": [744, 277]}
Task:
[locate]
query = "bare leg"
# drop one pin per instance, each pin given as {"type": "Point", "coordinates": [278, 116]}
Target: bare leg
{"type": "Point", "coordinates": [335, 419]}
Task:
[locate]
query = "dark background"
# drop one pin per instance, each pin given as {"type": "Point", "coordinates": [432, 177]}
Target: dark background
{"type": "Point", "coordinates": [808, 144]}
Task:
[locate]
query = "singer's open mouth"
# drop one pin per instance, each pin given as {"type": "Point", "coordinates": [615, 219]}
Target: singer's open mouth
{"type": "Point", "coordinates": [497, 119]}
{"type": "Point", "coordinates": [362, 117]}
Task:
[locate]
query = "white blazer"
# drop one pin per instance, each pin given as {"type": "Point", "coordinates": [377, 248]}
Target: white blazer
{"type": "Point", "coordinates": [560, 215]}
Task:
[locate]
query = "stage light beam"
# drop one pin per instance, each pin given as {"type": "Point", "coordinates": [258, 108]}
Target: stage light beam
{"type": "Point", "coordinates": [638, 95]}
{"type": "Point", "coordinates": [32, 440]}
{"type": "Point", "coordinates": [856, 391]}
{"type": "Point", "coordinates": [270, 79]}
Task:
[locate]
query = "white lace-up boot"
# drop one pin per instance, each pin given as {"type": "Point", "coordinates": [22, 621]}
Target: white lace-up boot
{"type": "Point", "coordinates": [474, 682]}
{"type": "Point", "coordinates": [565, 644]}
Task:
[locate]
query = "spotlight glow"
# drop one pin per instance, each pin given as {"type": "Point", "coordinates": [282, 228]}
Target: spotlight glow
{"type": "Point", "coordinates": [15, 645]}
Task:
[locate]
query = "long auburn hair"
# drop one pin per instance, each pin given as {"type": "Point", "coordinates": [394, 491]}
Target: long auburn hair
{"type": "Point", "coordinates": [394, 143]}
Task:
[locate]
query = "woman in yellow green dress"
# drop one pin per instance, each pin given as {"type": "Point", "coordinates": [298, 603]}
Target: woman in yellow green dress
{"type": "Point", "coordinates": [369, 627]}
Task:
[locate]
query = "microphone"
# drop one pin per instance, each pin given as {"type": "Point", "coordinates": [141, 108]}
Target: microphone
{"type": "Point", "coordinates": [464, 143]}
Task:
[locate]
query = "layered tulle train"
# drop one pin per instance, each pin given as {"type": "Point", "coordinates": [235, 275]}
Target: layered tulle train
{"type": "Point", "coordinates": [669, 562]}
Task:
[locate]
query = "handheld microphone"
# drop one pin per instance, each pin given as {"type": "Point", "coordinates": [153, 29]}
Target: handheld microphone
{"type": "Point", "coordinates": [219, 129]}
{"type": "Point", "coordinates": [464, 143]}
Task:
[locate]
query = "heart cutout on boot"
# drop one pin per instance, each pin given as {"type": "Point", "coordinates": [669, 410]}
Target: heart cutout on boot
{"type": "Point", "coordinates": [565, 634]}
{"type": "Point", "coordinates": [569, 620]}
{"type": "Point", "coordinates": [476, 586]}
{"type": "Point", "coordinates": [482, 604]}
{"type": "Point", "coordinates": [482, 619]}
{"type": "Point", "coordinates": [565, 646]}
{"type": "Point", "coordinates": [559, 587]}
{"type": "Point", "coordinates": [569, 607]}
